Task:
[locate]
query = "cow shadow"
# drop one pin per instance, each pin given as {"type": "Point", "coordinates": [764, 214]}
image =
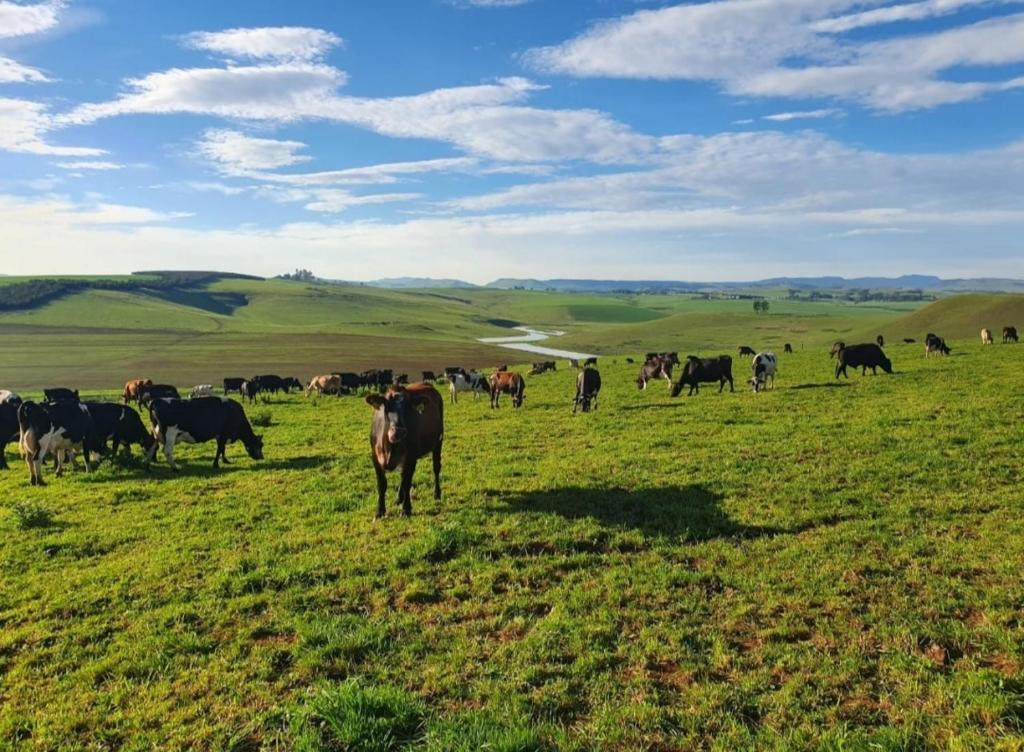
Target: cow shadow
{"type": "Point", "coordinates": [825, 385]}
{"type": "Point", "coordinates": [690, 512]}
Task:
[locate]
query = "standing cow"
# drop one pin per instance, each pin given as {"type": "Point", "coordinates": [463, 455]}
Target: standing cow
{"type": "Point", "coordinates": [120, 423]}
{"type": "Point", "coordinates": [408, 423]}
{"type": "Point", "coordinates": [1010, 334]}
{"type": "Point", "coordinates": [588, 385]}
{"type": "Point", "coordinates": [986, 336]}
{"type": "Point", "coordinates": [198, 421]}
{"type": "Point", "coordinates": [658, 366]}
{"type": "Point", "coordinates": [473, 382]}
{"type": "Point", "coordinates": [57, 428]}
{"type": "Point", "coordinates": [699, 371]}
{"type": "Point", "coordinates": [133, 390]}
{"type": "Point", "coordinates": [764, 366]}
{"type": "Point", "coordinates": [510, 383]}
{"type": "Point", "coordinates": [864, 356]}
{"type": "Point", "coordinates": [934, 344]}
{"type": "Point", "coordinates": [8, 428]}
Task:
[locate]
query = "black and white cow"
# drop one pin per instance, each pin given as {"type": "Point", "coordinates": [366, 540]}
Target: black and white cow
{"type": "Point", "coordinates": [6, 395]}
{"type": "Point", "coordinates": [474, 382]}
{"type": "Point", "coordinates": [60, 394]}
{"type": "Point", "coordinates": [8, 428]}
{"type": "Point", "coordinates": [121, 424]}
{"type": "Point", "coordinates": [765, 365]}
{"type": "Point", "coordinates": [201, 390]}
{"type": "Point", "coordinates": [198, 421]}
{"type": "Point", "coordinates": [588, 385]}
{"type": "Point", "coordinates": [57, 428]}
{"type": "Point", "coordinates": [152, 392]}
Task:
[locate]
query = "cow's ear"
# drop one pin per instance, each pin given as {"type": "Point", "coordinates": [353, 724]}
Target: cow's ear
{"type": "Point", "coordinates": [374, 400]}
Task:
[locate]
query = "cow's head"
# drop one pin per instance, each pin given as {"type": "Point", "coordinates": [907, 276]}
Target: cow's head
{"type": "Point", "coordinates": [395, 410]}
{"type": "Point", "coordinates": [255, 447]}
{"type": "Point", "coordinates": [886, 364]}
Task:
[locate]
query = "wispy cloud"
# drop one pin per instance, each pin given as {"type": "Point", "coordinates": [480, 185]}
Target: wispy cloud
{"type": "Point", "coordinates": [782, 117]}
{"type": "Point", "coordinates": [281, 43]}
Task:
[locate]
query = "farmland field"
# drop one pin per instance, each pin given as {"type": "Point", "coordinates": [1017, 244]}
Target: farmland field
{"type": "Point", "coordinates": [829, 565]}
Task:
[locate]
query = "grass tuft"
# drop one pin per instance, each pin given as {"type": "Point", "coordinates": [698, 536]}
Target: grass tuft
{"type": "Point", "coordinates": [31, 514]}
{"type": "Point", "coordinates": [368, 718]}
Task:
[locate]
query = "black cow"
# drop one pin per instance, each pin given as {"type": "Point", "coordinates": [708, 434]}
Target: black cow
{"type": "Point", "coordinates": [198, 421]}
{"type": "Point", "coordinates": [699, 371]}
{"type": "Point", "coordinates": [234, 384]}
{"type": "Point", "coordinates": [270, 383]}
{"type": "Point", "coordinates": [407, 425]}
{"type": "Point", "coordinates": [151, 392]}
{"type": "Point", "coordinates": [8, 427]}
{"type": "Point", "coordinates": [836, 347]}
{"type": "Point", "coordinates": [60, 394]}
{"type": "Point", "coordinates": [350, 382]}
{"type": "Point", "coordinates": [588, 384]}
{"type": "Point", "coordinates": [57, 428]}
{"type": "Point", "coordinates": [429, 376]}
{"type": "Point", "coordinates": [120, 423]}
{"type": "Point", "coordinates": [449, 371]}
{"type": "Point", "coordinates": [591, 361]}
{"type": "Point", "coordinates": [787, 348]}
{"type": "Point", "coordinates": [865, 356]}
{"type": "Point", "coordinates": [401, 379]}
{"type": "Point", "coordinates": [1010, 334]}
{"type": "Point", "coordinates": [630, 361]}
{"type": "Point", "coordinates": [880, 340]}
{"type": "Point", "coordinates": [933, 343]}
{"type": "Point", "coordinates": [250, 388]}
{"type": "Point", "coordinates": [745, 350]}
{"type": "Point", "coordinates": [292, 383]}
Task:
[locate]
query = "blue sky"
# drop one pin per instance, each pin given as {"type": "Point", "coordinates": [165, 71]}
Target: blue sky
{"type": "Point", "coordinates": [728, 139]}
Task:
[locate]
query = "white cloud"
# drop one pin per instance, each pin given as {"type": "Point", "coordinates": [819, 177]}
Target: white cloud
{"type": "Point", "coordinates": [90, 165]}
{"type": "Point", "coordinates": [17, 19]}
{"type": "Point", "coordinates": [236, 152]}
{"type": "Point", "coordinates": [282, 43]}
{"type": "Point", "coordinates": [788, 48]}
{"type": "Point", "coordinates": [13, 72]}
{"type": "Point", "coordinates": [23, 125]}
{"type": "Point", "coordinates": [371, 174]}
{"type": "Point", "coordinates": [61, 212]}
{"type": "Point", "coordinates": [904, 12]}
{"type": "Point", "coordinates": [489, 3]}
{"type": "Point", "coordinates": [782, 117]}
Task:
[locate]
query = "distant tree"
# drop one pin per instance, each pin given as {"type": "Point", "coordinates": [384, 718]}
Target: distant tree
{"type": "Point", "coordinates": [764, 306]}
{"type": "Point", "coordinates": [300, 275]}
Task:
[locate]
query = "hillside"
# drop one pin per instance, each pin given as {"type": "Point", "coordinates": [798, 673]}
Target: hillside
{"type": "Point", "coordinates": [961, 317]}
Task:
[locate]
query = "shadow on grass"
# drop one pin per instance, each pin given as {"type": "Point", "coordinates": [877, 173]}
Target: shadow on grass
{"type": "Point", "coordinates": [827, 385]}
{"type": "Point", "coordinates": [691, 512]}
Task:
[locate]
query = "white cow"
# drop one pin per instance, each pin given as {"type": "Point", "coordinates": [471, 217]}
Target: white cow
{"type": "Point", "coordinates": [474, 382]}
{"type": "Point", "coordinates": [765, 366]}
{"type": "Point", "coordinates": [201, 390]}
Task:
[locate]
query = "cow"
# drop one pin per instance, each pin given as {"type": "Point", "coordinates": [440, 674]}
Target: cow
{"type": "Point", "coordinates": [150, 392]}
{"type": "Point", "coordinates": [452, 370]}
{"type": "Point", "coordinates": [510, 383]}
{"type": "Point", "coordinates": [475, 382]}
{"type": "Point", "coordinates": [132, 387]}
{"type": "Point", "coordinates": [588, 385]}
{"type": "Point", "coordinates": [58, 428]}
{"type": "Point", "coordinates": [591, 361]}
{"type": "Point", "coordinates": [573, 363]}
{"type": "Point", "coordinates": [986, 336]}
{"type": "Point", "coordinates": [1010, 334]}
{"type": "Point", "coordinates": [120, 423]}
{"type": "Point", "coordinates": [542, 366]}
{"type": "Point", "coordinates": [656, 367]}
{"type": "Point", "coordinates": [198, 421]}
{"type": "Point", "coordinates": [864, 356]}
{"type": "Point", "coordinates": [504, 367]}
{"type": "Point", "coordinates": [233, 384]}
{"type": "Point", "coordinates": [630, 361]}
{"type": "Point", "coordinates": [765, 365]}
{"type": "Point", "coordinates": [8, 427]}
{"type": "Point", "coordinates": [787, 348]}
{"type": "Point", "coordinates": [429, 376]}
{"type": "Point", "coordinates": [201, 390]}
{"type": "Point", "coordinates": [880, 340]}
{"type": "Point", "coordinates": [408, 423]}
{"type": "Point", "coordinates": [745, 350]}
{"type": "Point", "coordinates": [697, 371]}
{"type": "Point", "coordinates": [348, 381]}
{"type": "Point", "coordinates": [328, 384]}
{"type": "Point", "coordinates": [933, 343]}
{"type": "Point", "coordinates": [7, 396]}
{"type": "Point", "coordinates": [270, 383]}
{"type": "Point", "coordinates": [836, 348]}
{"type": "Point", "coordinates": [250, 388]}
{"type": "Point", "coordinates": [292, 383]}
{"type": "Point", "coordinates": [60, 394]}
{"type": "Point", "coordinates": [401, 379]}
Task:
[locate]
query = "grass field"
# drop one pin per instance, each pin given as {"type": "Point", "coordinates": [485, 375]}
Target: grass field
{"type": "Point", "coordinates": [825, 566]}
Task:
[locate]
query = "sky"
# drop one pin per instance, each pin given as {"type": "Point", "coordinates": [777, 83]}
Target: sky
{"type": "Point", "coordinates": [477, 139]}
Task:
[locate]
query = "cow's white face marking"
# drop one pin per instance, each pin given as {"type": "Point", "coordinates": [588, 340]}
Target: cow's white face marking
{"type": "Point", "coordinates": [392, 419]}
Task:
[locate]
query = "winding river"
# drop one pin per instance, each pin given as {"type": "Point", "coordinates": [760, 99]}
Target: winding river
{"type": "Point", "coordinates": [524, 342]}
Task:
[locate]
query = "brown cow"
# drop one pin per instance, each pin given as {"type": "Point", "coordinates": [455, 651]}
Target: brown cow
{"type": "Point", "coordinates": [329, 384]}
{"type": "Point", "coordinates": [986, 336]}
{"type": "Point", "coordinates": [133, 390]}
{"type": "Point", "coordinates": [408, 423]}
{"type": "Point", "coordinates": [509, 382]}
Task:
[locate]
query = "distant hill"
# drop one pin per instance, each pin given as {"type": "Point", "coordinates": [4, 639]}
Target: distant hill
{"type": "Point", "coordinates": [906, 282]}
{"type": "Point", "coordinates": [959, 317]}
{"type": "Point", "coordinates": [397, 283]}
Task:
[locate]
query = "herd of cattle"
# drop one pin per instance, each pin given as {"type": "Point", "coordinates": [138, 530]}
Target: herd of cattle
{"type": "Point", "coordinates": [408, 419]}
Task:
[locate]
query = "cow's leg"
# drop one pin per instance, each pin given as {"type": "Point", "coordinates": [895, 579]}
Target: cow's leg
{"type": "Point", "coordinates": [221, 443]}
{"type": "Point", "coordinates": [405, 491]}
{"type": "Point", "coordinates": [382, 489]}
{"type": "Point", "coordinates": [169, 452]}
{"type": "Point", "coordinates": [437, 470]}
{"type": "Point", "coordinates": [3, 459]}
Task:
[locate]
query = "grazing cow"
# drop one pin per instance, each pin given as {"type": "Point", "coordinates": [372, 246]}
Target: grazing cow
{"type": "Point", "coordinates": [656, 367]}
{"type": "Point", "coordinates": [131, 389]}
{"type": "Point", "coordinates": [201, 390]}
{"type": "Point", "coordinates": [250, 388]}
{"type": "Point", "coordinates": [909, 340]}
{"type": "Point", "coordinates": [787, 348]}
{"type": "Point", "coordinates": [270, 383]}
{"type": "Point", "coordinates": [510, 383]}
{"type": "Point", "coordinates": [452, 370]}
{"type": "Point", "coordinates": [542, 366]}
{"type": "Point", "coordinates": [865, 356]}
{"type": "Point", "coordinates": [58, 428]}
{"type": "Point", "coordinates": [120, 423]}
{"type": "Point", "coordinates": [60, 394]}
{"type": "Point", "coordinates": [573, 363]}
{"type": "Point", "coordinates": [1010, 334]}
{"type": "Point", "coordinates": [699, 371]}
{"type": "Point", "coordinates": [349, 382]}
{"type": "Point", "coordinates": [292, 383]}
{"type": "Point", "coordinates": [591, 361]}
{"type": "Point", "coordinates": [151, 392]}
{"type": "Point", "coordinates": [744, 350]}
{"type": "Point", "coordinates": [429, 376]}
{"type": "Point", "coordinates": [7, 396]}
{"type": "Point", "coordinates": [836, 348]}
{"type": "Point", "coordinates": [198, 421]}
{"type": "Point", "coordinates": [233, 384]}
{"type": "Point", "coordinates": [8, 427]}
{"type": "Point", "coordinates": [986, 336]}
{"type": "Point", "coordinates": [328, 384]}
{"type": "Point", "coordinates": [408, 423]}
{"type": "Point", "coordinates": [933, 343]}
{"type": "Point", "coordinates": [475, 382]}
{"type": "Point", "coordinates": [880, 340]}
{"type": "Point", "coordinates": [765, 365]}
{"type": "Point", "coordinates": [588, 384]}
